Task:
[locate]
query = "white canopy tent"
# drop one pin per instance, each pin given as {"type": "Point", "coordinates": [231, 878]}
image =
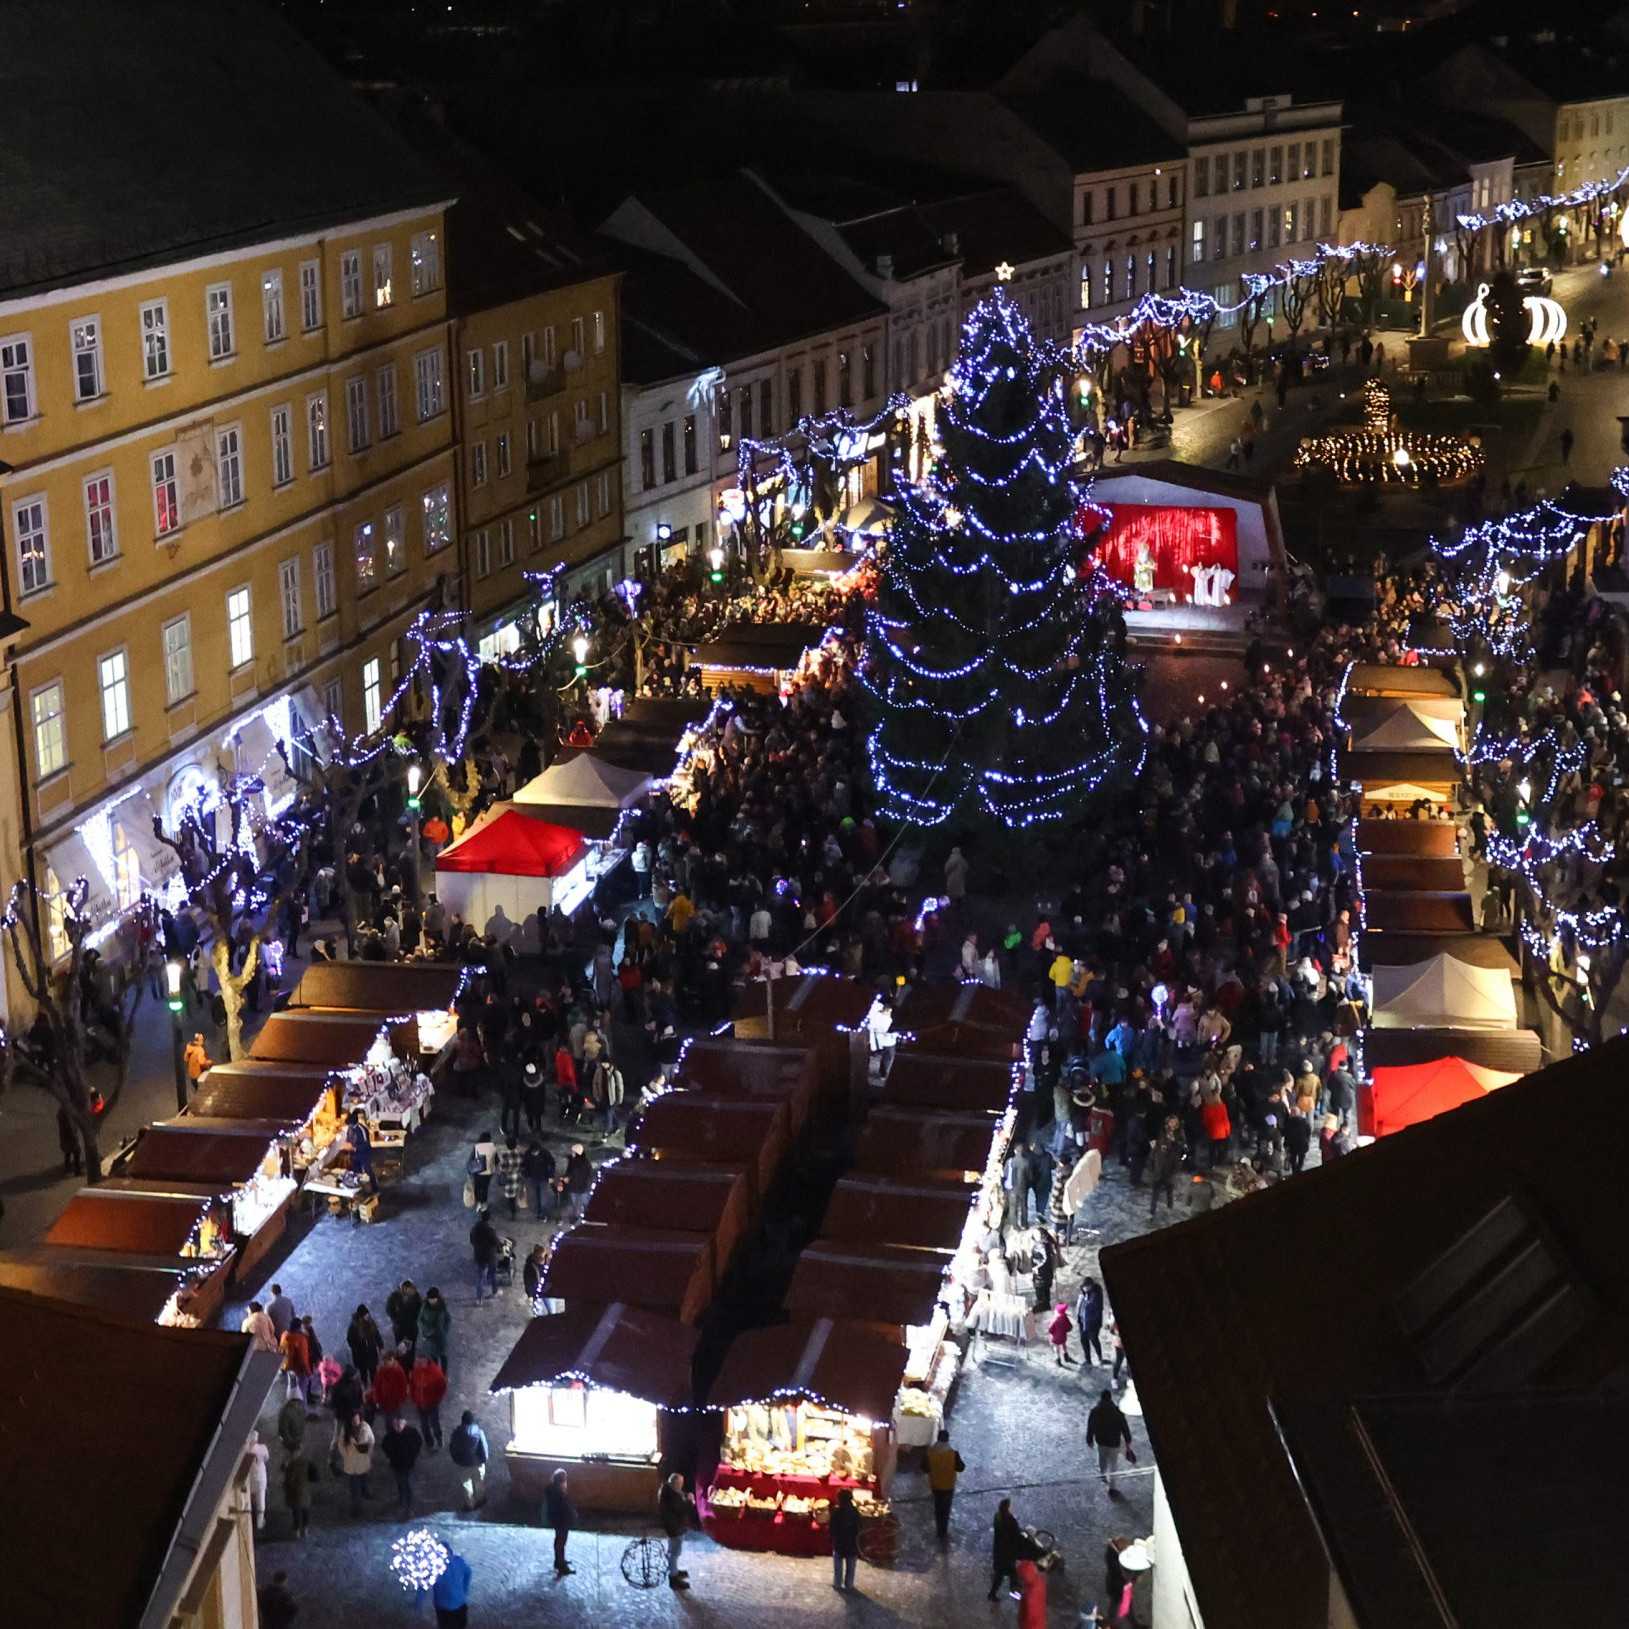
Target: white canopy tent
{"type": "Point", "coordinates": [1413, 726]}
{"type": "Point", "coordinates": [1401, 792]}
{"type": "Point", "coordinates": [585, 780]}
{"type": "Point", "coordinates": [1444, 993]}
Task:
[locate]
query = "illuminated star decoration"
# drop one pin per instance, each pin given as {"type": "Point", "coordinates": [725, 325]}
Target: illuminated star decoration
{"type": "Point", "coordinates": [1004, 271]}
{"type": "Point", "coordinates": [418, 1559]}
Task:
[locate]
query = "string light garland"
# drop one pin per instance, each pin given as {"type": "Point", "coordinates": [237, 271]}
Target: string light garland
{"type": "Point", "coordinates": [1521, 209]}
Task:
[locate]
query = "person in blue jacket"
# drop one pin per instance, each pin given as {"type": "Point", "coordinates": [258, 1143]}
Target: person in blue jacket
{"type": "Point", "coordinates": [450, 1594]}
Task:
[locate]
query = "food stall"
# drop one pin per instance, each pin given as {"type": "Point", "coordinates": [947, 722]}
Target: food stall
{"type": "Point", "coordinates": [250, 1164]}
{"type": "Point", "coordinates": [689, 1128]}
{"type": "Point", "coordinates": [152, 1221]}
{"type": "Point", "coordinates": [767, 1074]}
{"type": "Point", "coordinates": [806, 1412]}
{"type": "Point", "coordinates": [660, 1269]}
{"type": "Point", "coordinates": [510, 869]}
{"type": "Point", "coordinates": [932, 1080]}
{"type": "Point", "coordinates": [142, 1289]}
{"type": "Point", "coordinates": [716, 1200]}
{"type": "Point", "coordinates": [590, 1390]}
{"type": "Point", "coordinates": [428, 990]}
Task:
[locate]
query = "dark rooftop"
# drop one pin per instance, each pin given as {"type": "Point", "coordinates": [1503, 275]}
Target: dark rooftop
{"type": "Point", "coordinates": [191, 135]}
{"type": "Point", "coordinates": [1093, 125]}
{"type": "Point", "coordinates": [995, 225]}
{"type": "Point", "coordinates": [1218, 71]}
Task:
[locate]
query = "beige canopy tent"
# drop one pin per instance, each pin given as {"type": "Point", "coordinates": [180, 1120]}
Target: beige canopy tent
{"type": "Point", "coordinates": [586, 780]}
{"type": "Point", "coordinates": [1443, 993]}
{"type": "Point", "coordinates": [1423, 724]}
{"type": "Point", "coordinates": [1402, 792]}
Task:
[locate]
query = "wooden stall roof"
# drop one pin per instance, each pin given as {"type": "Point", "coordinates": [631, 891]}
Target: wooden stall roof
{"type": "Point", "coordinates": [687, 1126]}
{"type": "Point", "coordinates": [779, 645]}
{"type": "Point", "coordinates": [1413, 873]}
{"type": "Point", "coordinates": [1385, 911]}
{"type": "Point", "coordinates": [151, 1223]}
{"type": "Point", "coordinates": [193, 1153]}
{"type": "Point", "coordinates": [934, 1081]}
{"type": "Point", "coordinates": [379, 987]}
{"type": "Point", "coordinates": [910, 1143]}
{"type": "Point", "coordinates": [843, 1363]}
{"type": "Point", "coordinates": [1429, 839]}
{"type": "Point", "coordinates": [1377, 679]}
{"type": "Point", "coordinates": [961, 1020]}
{"type": "Point", "coordinates": [137, 1288]}
{"type": "Point", "coordinates": [647, 735]}
{"type": "Point", "coordinates": [1518, 1051]}
{"type": "Point", "coordinates": [624, 1348]}
{"type": "Point", "coordinates": [878, 1283]}
{"type": "Point", "coordinates": [1408, 949]}
{"type": "Point", "coordinates": [763, 1073]}
{"type": "Point", "coordinates": [335, 1040]}
{"type": "Point", "coordinates": [713, 1199]}
{"type": "Point", "coordinates": [291, 1095]}
{"type": "Point", "coordinates": [1416, 768]}
{"type": "Point", "coordinates": [807, 1006]}
{"type": "Point", "coordinates": [885, 1210]}
{"type": "Point", "coordinates": [661, 1269]}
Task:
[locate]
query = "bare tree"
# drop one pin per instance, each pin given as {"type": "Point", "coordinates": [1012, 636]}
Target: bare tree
{"type": "Point", "coordinates": [1295, 293]}
{"type": "Point", "coordinates": [1331, 289]}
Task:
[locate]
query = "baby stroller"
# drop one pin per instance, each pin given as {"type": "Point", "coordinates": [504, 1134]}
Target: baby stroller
{"type": "Point", "coordinates": [504, 1268]}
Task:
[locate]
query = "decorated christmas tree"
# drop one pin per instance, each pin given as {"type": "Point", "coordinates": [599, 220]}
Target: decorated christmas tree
{"type": "Point", "coordinates": [999, 687]}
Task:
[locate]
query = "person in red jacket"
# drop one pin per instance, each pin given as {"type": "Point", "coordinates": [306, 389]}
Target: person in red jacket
{"type": "Point", "coordinates": [390, 1386]}
{"type": "Point", "coordinates": [427, 1385]}
{"type": "Point", "coordinates": [565, 1080]}
{"type": "Point", "coordinates": [1218, 1128]}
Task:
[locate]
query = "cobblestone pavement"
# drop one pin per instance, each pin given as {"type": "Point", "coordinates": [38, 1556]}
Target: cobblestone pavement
{"type": "Point", "coordinates": [1017, 1419]}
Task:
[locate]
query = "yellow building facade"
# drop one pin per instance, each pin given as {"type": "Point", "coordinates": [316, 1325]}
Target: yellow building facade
{"type": "Point", "coordinates": [227, 485]}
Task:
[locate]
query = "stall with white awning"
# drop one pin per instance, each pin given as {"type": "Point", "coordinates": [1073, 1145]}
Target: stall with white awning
{"type": "Point", "coordinates": [587, 780]}
{"type": "Point", "coordinates": [1421, 724]}
{"type": "Point", "coordinates": [1444, 993]}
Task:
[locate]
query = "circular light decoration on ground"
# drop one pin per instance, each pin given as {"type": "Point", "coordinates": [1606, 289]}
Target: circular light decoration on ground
{"type": "Point", "coordinates": [1546, 321]}
{"type": "Point", "coordinates": [418, 1559]}
{"type": "Point", "coordinates": [1380, 453]}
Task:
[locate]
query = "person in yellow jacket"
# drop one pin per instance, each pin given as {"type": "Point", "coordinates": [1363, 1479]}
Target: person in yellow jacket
{"type": "Point", "coordinates": [944, 1466]}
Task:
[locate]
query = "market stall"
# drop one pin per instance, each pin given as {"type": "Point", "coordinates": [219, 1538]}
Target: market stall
{"type": "Point", "coordinates": [157, 1223]}
{"type": "Point", "coordinates": [333, 1040]}
{"type": "Point", "coordinates": [923, 1145]}
{"type": "Point", "coordinates": [250, 1165]}
{"type": "Point", "coordinates": [688, 1128]}
{"type": "Point", "coordinates": [659, 1269]}
{"type": "Point", "coordinates": [896, 1287]}
{"type": "Point", "coordinates": [816, 1010]}
{"type": "Point", "coordinates": [807, 1408]}
{"type": "Point", "coordinates": [889, 1210]}
{"type": "Point", "coordinates": [590, 1390]}
{"type": "Point", "coordinates": [934, 1080]}
{"type": "Point", "coordinates": [1405, 1096]}
{"type": "Point", "coordinates": [585, 780]}
{"type": "Point", "coordinates": [428, 990]}
{"type": "Point", "coordinates": [1420, 724]}
{"type": "Point", "coordinates": [1443, 993]}
{"type": "Point", "coordinates": [715, 1200]}
{"type": "Point", "coordinates": [964, 1020]}
{"type": "Point", "coordinates": [142, 1289]}
{"type": "Point", "coordinates": [764, 1074]}
{"type": "Point", "coordinates": [305, 1097]}
{"type": "Point", "coordinates": [757, 656]}
{"type": "Point", "coordinates": [509, 870]}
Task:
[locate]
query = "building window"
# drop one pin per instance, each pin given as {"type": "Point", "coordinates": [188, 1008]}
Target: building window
{"type": "Point", "coordinates": [350, 283]}
{"type": "Point", "coordinates": [1323, 215]}
{"type": "Point", "coordinates": [557, 516]}
{"type": "Point", "coordinates": [794, 395]}
{"type": "Point", "coordinates": [577, 340]}
{"type": "Point", "coordinates": [690, 443]}
{"type": "Point", "coordinates": [817, 383]}
{"type": "Point", "coordinates": [16, 379]}
{"type": "Point", "coordinates": [362, 553]}
{"type": "Point", "coordinates": [101, 534]}
{"type": "Point", "coordinates": [1085, 288]}
{"type": "Point", "coordinates": [288, 592]}
{"type": "Point", "coordinates": [500, 365]}
{"type": "Point", "coordinates": [506, 543]}
{"type": "Point", "coordinates": [605, 412]}
{"type": "Point", "coordinates": [534, 530]}
{"type": "Point", "coordinates": [436, 509]}
{"type": "Point", "coordinates": [584, 513]}
{"type": "Point", "coordinates": [599, 332]}
{"type": "Point", "coordinates": [1308, 162]}
{"type": "Point", "coordinates": [1171, 266]}
{"type": "Point", "coordinates": [868, 374]}
{"type": "Point", "coordinates": [50, 731]}
{"type": "Point", "coordinates": [1108, 279]}
{"type": "Point", "coordinates": [310, 295]}
{"type": "Point", "coordinates": [113, 679]}
{"type": "Point", "coordinates": [1255, 229]}
{"type": "Point", "coordinates": [229, 465]}
{"type": "Point", "coordinates": [1131, 277]}
{"type": "Point", "coordinates": [477, 464]}
{"type": "Point", "coordinates": [86, 337]}
{"type": "Point", "coordinates": [126, 868]}
{"type": "Point", "coordinates": [282, 446]}
{"type": "Point", "coordinates": [1289, 223]}
{"type": "Point", "coordinates": [1240, 159]}
{"type": "Point", "coordinates": [427, 371]}
{"type": "Point", "coordinates": [481, 554]}
{"type": "Point", "coordinates": [670, 453]}
{"type": "Point", "coordinates": [322, 576]}
{"type": "Point", "coordinates": [745, 407]}
{"type": "Point", "coordinates": [316, 426]}
{"type": "Point", "coordinates": [381, 276]}
{"type": "Point", "coordinates": [271, 305]}
{"type": "Point", "coordinates": [503, 454]}
{"type": "Point", "coordinates": [372, 695]}
{"type": "Point", "coordinates": [1327, 163]}
{"type": "Point", "coordinates": [394, 541]}
{"type": "Point", "coordinates": [389, 418]}
{"type": "Point", "coordinates": [647, 459]}
{"type": "Point", "coordinates": [177, 636]}
{"type": "Point", "coordinates": [602, 493]}
{"type": "Point", "coordinates": [845, 380]}
{"type": "Point", "coordinates": [166, 495]}
{"type": "Point", "coordinates": [1172, 194]}
{"type": "Point", "coordinates": [426, 257]}
{"type": "Point", "coordinates": [1108, 203]}
{"type": "Point", "coordinates": [218, 310]}
{"type": "Point", "coordinates": [240, 631]}
{"type": "Point", "coordinates": [1272, 229]}
{"type": "Point", "coordinates": [155, 339]}
{"type": "Point", "coordinates": [33, 545]}
{"type": "Point", "coordinates": [475, 362]}
{"type": "Point", "coordinates": [356, 414]}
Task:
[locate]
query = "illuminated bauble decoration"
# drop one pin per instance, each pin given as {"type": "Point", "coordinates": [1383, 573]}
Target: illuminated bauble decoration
{"type": "Point", "coordinates": [418, 1559]}
{"type": "Point", "coordinates": [1547, 322]}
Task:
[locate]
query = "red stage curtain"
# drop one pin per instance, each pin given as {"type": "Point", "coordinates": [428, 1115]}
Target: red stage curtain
{"type": "Point", "coordinates": [1177, 537]}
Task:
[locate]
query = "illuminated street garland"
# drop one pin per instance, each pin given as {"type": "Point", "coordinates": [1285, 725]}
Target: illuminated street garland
{"type": "Point", "coordinates": [1521, 209]}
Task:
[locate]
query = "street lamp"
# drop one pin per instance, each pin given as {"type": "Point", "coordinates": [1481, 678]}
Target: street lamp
{"type": "Point", "coordinates": [715, 556]}
{"type": "Point", "coordinates": [579, 651]}
{"type": "Point", "coordinates": [172, 975]}
{"type": "Point", "coordinates": [415, 776]}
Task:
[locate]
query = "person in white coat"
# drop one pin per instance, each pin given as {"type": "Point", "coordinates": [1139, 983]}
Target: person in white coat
{"type": "Point", "coordinates": [259, 1463]}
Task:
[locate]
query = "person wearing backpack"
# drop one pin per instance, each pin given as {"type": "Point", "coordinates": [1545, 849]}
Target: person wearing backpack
{"type": "Point", "coordinates": [467, 1449]}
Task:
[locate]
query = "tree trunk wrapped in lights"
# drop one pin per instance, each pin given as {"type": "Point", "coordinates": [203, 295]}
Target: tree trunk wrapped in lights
{"type": "Point", "coordinates": [1001, 693]}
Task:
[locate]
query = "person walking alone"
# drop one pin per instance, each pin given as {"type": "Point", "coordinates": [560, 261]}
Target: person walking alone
{"type": "Point", "coordinates": [467, 1449]}
{"type": "Point", "coordinates": [1108, 1432]}
{"type": "Point", "coordinates": [402, 1446]}
{"type": "Point", "coordinates": [845, 1540]}
{"type": "Point", "coordinates": [353, 1441]}
{"type": "Point", "coordinates": [560, 1514]}
{"type": "Point", "coordinates": [298, 1475]}
{"type": "Point", "coordinates": [1008, 1547]}
{"type": "Point", "coordinates": [1089, 1317]}
{"type": "Point", "coordinates": [1164, 1163]}
{"type": "Point", "coordinates": [677, 1510]}
{"type": "Point", "coordinates": [944, 1466]}
{"type": "Point", "coordinates": [483, 1240]}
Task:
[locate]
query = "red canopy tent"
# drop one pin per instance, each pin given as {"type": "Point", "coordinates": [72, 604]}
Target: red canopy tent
{"type": "Point", "coordinates": [1406, 1095]}
{"type": "Point", "coordinates": [506, 872]}
{"type": "Point", "coordinates": [513, 845]}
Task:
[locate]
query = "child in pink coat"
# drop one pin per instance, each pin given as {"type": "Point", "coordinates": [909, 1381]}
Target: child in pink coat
{"type": "Point", "coordinates": [1059, 1329]}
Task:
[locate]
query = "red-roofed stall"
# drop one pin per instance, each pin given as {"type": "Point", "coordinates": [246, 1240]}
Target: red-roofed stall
{"type": "Point", "coordinates": [717, 1200]}
{"type": "Point", "coordinates": [692, 1129]}
{"type": "Point", "coordinates": [659, 1269]}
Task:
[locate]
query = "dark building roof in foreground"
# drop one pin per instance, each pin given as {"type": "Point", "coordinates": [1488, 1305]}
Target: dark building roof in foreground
{"type": "Point", "coordinates": [141, 134]}
{"type": "Point", "coordinates": [1476, 1253]}
{"type": "Point", "coordinates": [133, 1410]}
{"type": "Point", "coordinates": [1093, 125]}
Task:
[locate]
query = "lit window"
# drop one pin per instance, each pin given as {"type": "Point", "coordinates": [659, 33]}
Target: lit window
{"type": "Point", "coordinates": [240, 631]}
{"type": "Point", "coordinates": [218, 307]}
{"type": "Point", "coordinates": [365, 562]}
{"type": "Point", "coordinates": [86, 335]}
{"type": "Point", "coordinates": [1085, 292]}
{"type": "Point", "coordinates": [372, 695]}
{"type": "Point", "coordinates": [113, 676]}
{"type": "Point", "coordinates": [177, 660]}
{"type": "Point", "coordinates": [1197, 253]}
{"type": "Point", "coordinates": [394, 540]}
{"type": "Point", "coordinates": [316, 425]}
{"type": "Point", "coordinates": [271, 305]}
{"type": "Point", "coordinates": [56, 916]}
{"type": "Point", "coordinates": [126, 868]}
{"type": "Point", "coordinates": [166, 495]}
{"type": "Point", "coordinates": [155, 339]}
{"type": "Point", "coordinates": [310, 295]}
{"type": "Point", "coordinates": [437, 512]}
{"type": "Point", "coordinates": [50, 731]}
{"type": "Point", "coordinates": [381, 275]}
{"type": "Point", "coordinates": [101, 535]}
{"type": "Point", "coordinates": [599, 332]}
{"type": "Point", "coordinates": [426, 256]}
{"type": "Point", "coordinates": [350, 283]}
